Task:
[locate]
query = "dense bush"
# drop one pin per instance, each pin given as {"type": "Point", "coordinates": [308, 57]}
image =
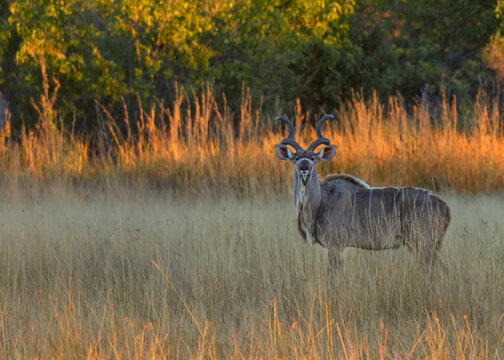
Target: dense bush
{"type": "Point", "coordinates": [112, 52]}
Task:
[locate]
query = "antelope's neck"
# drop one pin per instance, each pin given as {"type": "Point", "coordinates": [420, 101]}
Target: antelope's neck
{"type": "Point", "coordinates": [308, 202]}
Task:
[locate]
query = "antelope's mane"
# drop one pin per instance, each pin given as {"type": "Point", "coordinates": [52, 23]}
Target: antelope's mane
{"type": "Point", "coordinates": [346, 177]}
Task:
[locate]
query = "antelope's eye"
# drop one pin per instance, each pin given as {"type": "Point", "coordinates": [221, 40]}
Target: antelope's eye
{"type": "Point", "coordinates": [312, 158]}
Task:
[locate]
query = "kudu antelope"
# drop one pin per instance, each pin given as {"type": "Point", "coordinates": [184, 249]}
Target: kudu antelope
{"type": "Point", "coordinates": [343, 211]}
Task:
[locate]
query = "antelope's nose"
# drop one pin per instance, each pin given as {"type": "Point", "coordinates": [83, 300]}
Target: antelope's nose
{"type": "Point", "coordinates": [303, 166]}
{"type": "Point", "coordinates": [304, 171]}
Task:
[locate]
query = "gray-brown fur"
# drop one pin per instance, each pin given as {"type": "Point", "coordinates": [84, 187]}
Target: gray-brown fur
{"type": "Point", "coordinates": [343, 211]}
{"type": "Point", "coordinates": [380, 218]}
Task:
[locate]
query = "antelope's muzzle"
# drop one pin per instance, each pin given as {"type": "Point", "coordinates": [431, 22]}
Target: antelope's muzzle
{"type": "Point", "coordinates": [304, 175]}
{"type": "Point", "coordinates": [304, 170]}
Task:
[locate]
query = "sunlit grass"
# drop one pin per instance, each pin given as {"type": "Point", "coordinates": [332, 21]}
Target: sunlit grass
{"type": "Point", "coordinates": [193, 146]}
{"type": "Point", "coordinates": [123, 274]}
{"type": "Point", "coordinates": [104, 255]}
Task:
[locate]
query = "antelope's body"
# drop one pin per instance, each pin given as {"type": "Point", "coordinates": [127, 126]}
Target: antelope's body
{"type": "Point", "coordinates": [353, 214]}
{"type": "Point", "coordinates": [343, 211]}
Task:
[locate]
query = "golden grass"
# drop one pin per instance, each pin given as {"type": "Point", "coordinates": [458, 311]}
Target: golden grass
{"type": "Point", "coordinates": [128, 274]}
{"type": "Point", "coordinates": [143, 273]}
{"type": "Point", "coordinates": [192, 146]}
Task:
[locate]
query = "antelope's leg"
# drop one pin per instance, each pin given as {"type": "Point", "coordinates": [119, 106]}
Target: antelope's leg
{"type": "Point", "coordinates": [334, 252]}
{"type": "Point", "coordinates": [425, 247]}
{"type": "Point", "coordinates": [428, 254]}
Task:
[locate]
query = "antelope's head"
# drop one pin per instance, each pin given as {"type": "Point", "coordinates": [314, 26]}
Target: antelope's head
{"type": "Point", "coordinates": [305, 160]}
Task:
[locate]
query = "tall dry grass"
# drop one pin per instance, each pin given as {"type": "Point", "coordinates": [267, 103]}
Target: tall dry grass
{"type": "Point", "coordinates": [130, 274]}
{"type": "Point", "coordinates": [194, 145]}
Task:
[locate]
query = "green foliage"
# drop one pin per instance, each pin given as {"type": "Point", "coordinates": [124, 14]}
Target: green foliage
{"type": "Point", "coordinates": [110, 52]}
{"type": "Point", "coordinates": [102, 50]}
{"type": "Point", "coordinates": [283, 50]}
{"type": "Point", "coordinates": [409, 44]}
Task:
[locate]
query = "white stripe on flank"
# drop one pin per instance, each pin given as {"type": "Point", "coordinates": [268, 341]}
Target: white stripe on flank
{"type": "Point", "coordinates": [354, 205]}
{"type": "Point", "coordinates": [369, 213]}
{"type": "Point", "coordinates": [426, 197]}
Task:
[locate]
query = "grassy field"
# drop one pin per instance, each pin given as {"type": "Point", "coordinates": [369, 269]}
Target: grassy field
{"type": "Point", "coordinates": [174, 235]}
{"type": "Point", "coordinates": [142, 274]}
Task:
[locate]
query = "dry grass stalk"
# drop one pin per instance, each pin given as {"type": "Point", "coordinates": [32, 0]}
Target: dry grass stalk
{"type": "Point", "coordinates": [130, 274]}
{"type": "Point", "coordinates": [191, 145]}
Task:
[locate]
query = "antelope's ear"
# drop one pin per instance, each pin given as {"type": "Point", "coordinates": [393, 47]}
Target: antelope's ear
{"type": "Point", "coordinates": [283, 152]}
{"type": "Point", "coordinates": [327, 152]}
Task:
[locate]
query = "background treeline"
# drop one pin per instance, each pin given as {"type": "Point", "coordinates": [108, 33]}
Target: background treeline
{"type": "Point", "coordinates": [104, 54]}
